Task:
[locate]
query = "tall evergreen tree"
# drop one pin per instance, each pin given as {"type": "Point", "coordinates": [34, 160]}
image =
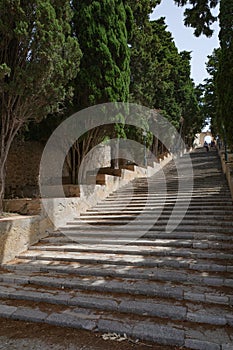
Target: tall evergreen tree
{"type": "Point", "coordinates": [101, 28]}
{"type": "Point", "coordinates": [38, 58]}
{"type": "Point", "coordinates": [200, 17]}
{"type": "Point", "coordinates": [209, 100]}
{"type": "Point", "coordinates": [225, 72]}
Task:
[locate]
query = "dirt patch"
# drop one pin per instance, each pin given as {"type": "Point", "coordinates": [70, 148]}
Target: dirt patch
{"type": "Point", "coordinates": [18, 335]}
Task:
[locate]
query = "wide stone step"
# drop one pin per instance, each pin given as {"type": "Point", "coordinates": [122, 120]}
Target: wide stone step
{"type": "Point", "coordinates": [135, 228]}
{"type": "Point", "coordinates": [152, 307]}
{"type": "Point", "coordinates": [60, 277]}
{"type": "Point", "coordinates": [209, 294]}
{"type": "Point", "coordinates": [200, 243]}
{"type": "Point", "coordinates": [143, 328]}
{"type": "Point", "coordinates": [131, 204]}
{"type": "Point", "coordinates": [145, 251]}
{"type": "Point", "coordinates": [131, 211]}
{"type": "Point", "coordinates": [149, 220]}
{"type": "Point", "coordinates": [163, 289]}
{"type": "Point", "coordinates": [144, 240]}
{"type": "Point", "coordinates": [151, 265]}
{"type": "Point", "coordinates": [196, 193]}
{"type": "Point", "coordinates": [151, 252]}
{"type": "Point", "coordinates": [190, 271]}
{"type": "Point", "coordinates": [164, 216]}
{"type": "Point", "coordinates": [169, 199]}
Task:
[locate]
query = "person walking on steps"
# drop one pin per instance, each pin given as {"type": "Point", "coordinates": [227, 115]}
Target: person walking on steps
{"type": "Point", "coordinates": [206, 146]}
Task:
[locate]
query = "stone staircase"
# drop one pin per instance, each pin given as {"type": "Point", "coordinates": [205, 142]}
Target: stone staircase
{"type": "Point", "coordinates": [109, 272]}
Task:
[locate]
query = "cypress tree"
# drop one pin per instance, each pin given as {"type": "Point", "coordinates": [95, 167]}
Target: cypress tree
{"type": "Point", "coordinates": [101, 29]}
{"type": "Point", "coordinates": [225, 73]}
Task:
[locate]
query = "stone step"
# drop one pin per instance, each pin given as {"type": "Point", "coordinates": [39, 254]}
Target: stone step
{"type": "Point", "coordinates": [122, 194]}
{"type": "Point", "coordinates": [187, 217]}
{"type": "Point", "coordinates": [132, 284]}
{"type": "Point", "coordinates": [222, 262]}
{"type": "Point", "coordinates": [148, 203]}
{"type": "Point", "coordinates": [127, 211]}
{"type": "Point", "coordinates": [212, 294]}
{"type": "Point", "coordinates": [102, 220]}
{"type": "Point", "coordinates": [142, 327]}
{"type": "Point", "coordinates": [121, 256]}
{"type": "Point", "coordinates": [133, 229]}
{"type": "Point", "coordinates": [150, 307]}
{"type": "Point", "coordinates": [148, 238]}
{"type": "Point", "coordinates": [146, 251]}
{"type": "Point", "coordinates": [185, 243]}
{"type": "Point", "coordinates": [155, 199]}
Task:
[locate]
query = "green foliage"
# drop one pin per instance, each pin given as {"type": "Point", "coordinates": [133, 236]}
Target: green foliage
{"type": "Point", "coordinates": [101, 28]}
{"type": "Point", "coordinates": [141, 11]}
{"type": "Point", "coordinates": [199, 15]}
{"type": "Point", "coordinates": [39, 54]}
{"type": "Point", "coordinates": [208, 94]}
{"type": "Point", "coordinates": [161, 76]}
{"type": "Point", "coordinates": [220, 85]}
{"type": "Point", "coordinates": [225, 72]}
{"type": "Point", "coordinates": [38, 58]}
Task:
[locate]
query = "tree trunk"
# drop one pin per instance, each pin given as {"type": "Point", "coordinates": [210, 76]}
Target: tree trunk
{"type": "Point", "coordinates": [3, 157]}
{"type": "Point", "coordinates": [9, 128]}
{"type": "Point", "coordinates": [73, 170]}
{"type": "Point", "coordinates": [2, 183]}
{"type": "Point", "coordinates": [115, 155]}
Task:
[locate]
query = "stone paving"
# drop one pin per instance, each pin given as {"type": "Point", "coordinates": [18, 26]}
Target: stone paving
{"type": "Point", "coordinates": [101, 274]}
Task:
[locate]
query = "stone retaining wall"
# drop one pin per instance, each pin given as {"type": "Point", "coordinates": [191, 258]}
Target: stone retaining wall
{"type": "Point", "coordinates": [23, 164]}
{"type": "Point", "coordinates": [23, 169]}
{"type": "Point", "coordinates": [17, 233]}
{"type": "Point", "coordinates": [227, 167]}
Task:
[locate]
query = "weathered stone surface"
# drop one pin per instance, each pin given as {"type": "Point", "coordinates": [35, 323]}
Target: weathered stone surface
{"type": "Point", "coordinates": [71, 320]}
{"type": "Point", "coordinates": [228, 282]}
{"type": "Point", "coordinates": [95, 302]}
{"type": "Point", "coordinates": [217, 299]}
{"type": "Point", "coordinates": [229, 318]}
{"type": "Point", "coordinates": [213, 281]}
{"type": "Point", "coordinates": [158, 333]}
{"type": "Point", "coordinates": [7, 310]}
{"type": "Point", "coordinates": [201, 345]}
{"type": "Point", "coordinates": [28, 314]}
{"type": "Point", "coordinates": [111, 325]}
{"type": "Point", "coordinates": [206, 318]}
{"type": "Point", "coordinates": [227, 347]}
{"type": "Point", "coordinates": [194, 296]}
{"type": "Point", "coordinates": [152, 309]}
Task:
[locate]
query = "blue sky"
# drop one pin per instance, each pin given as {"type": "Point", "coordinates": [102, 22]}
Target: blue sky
{"type": "Point", "coordinates": [185, 40]}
